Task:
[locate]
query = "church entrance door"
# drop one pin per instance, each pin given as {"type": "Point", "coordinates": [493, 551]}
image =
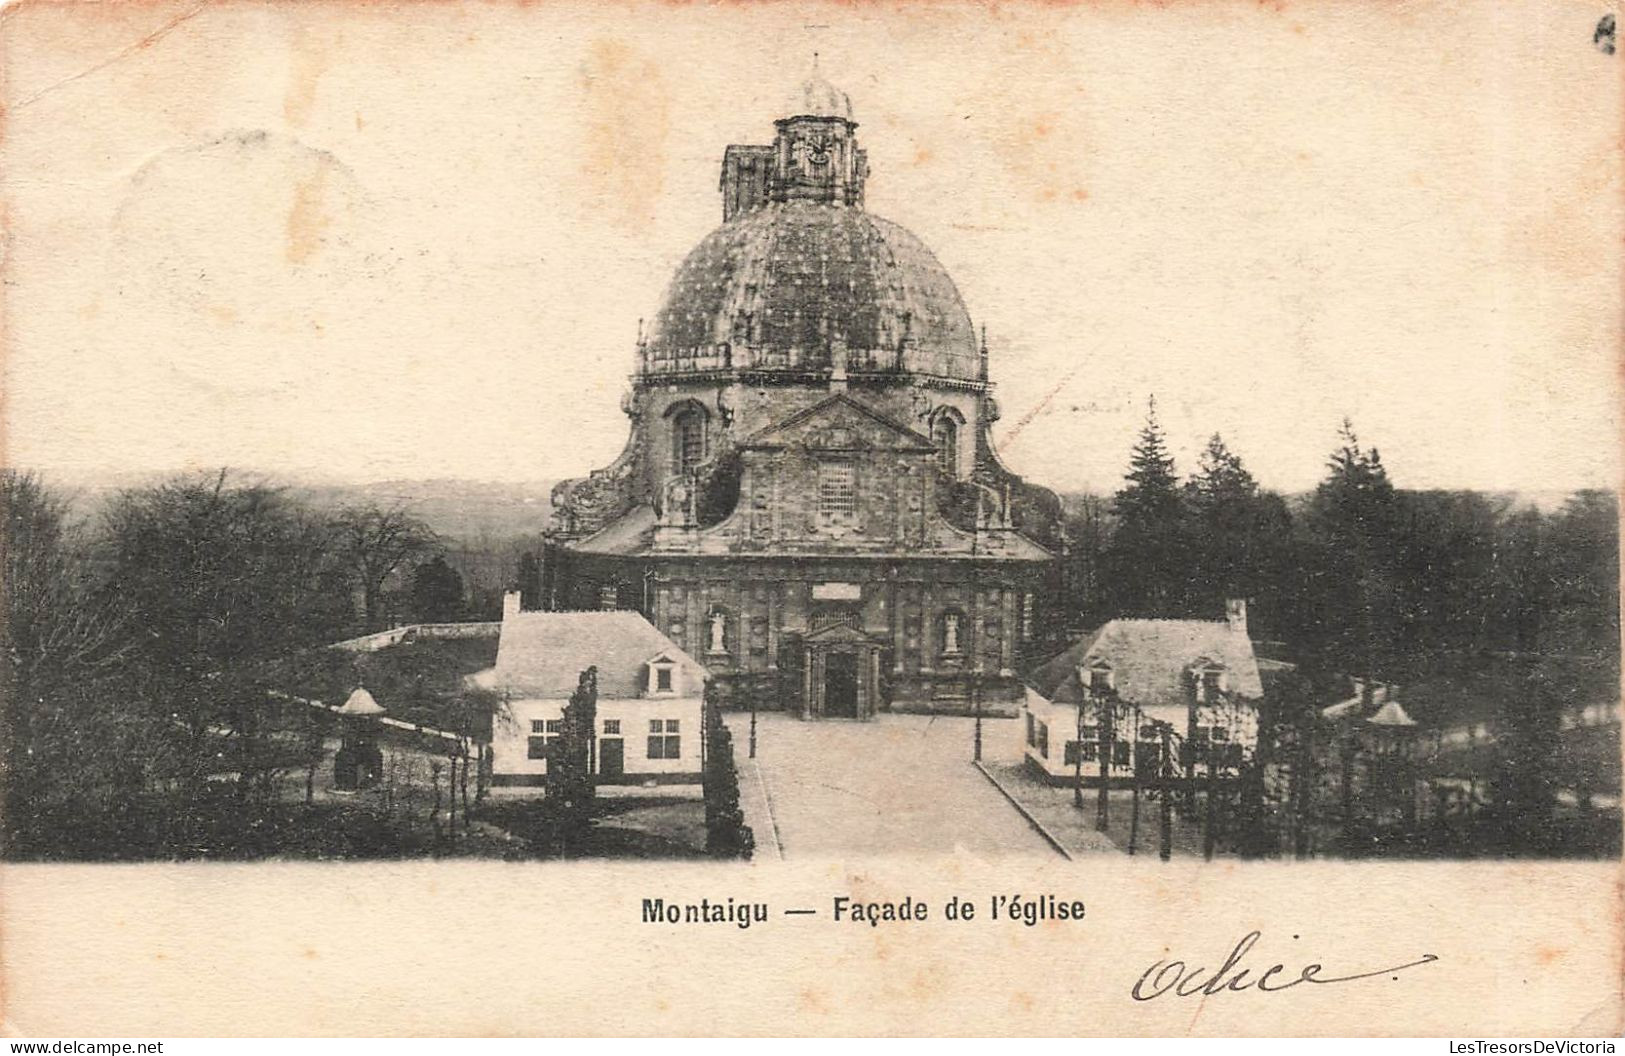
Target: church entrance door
{"type": "Point", "coordinates": [841, 685]}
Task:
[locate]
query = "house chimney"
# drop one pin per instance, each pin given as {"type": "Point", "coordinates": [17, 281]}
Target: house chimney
{"type": "Point", "coordinates": [510, 604]}
{"type": "Point", "coordinates": [1235, 614]}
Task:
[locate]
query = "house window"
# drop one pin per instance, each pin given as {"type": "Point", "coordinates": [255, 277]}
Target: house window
{"type": "Point", "coordinates": [1211, 685]}
{"type": "Point", "coordinates": [612, 727]}
{"type": "Point", "coordinates": [1043, 739]}
{"type": "Point", "coordinates": [1120, 753]}
{"type": "Point", "coordinates": [950, 632]}
{"type": "Point", "coordinates": [542, 732]}
{"type": "Point", "coordinates": [687, 439]}
{"type": "Point", "coordinates": [1026, 617]}
{"type": "Point", "coordinates": [664, 740]}
{"type": "Point", "coordinates": [837, 488]}
{"type": "Point", "coordinates": [1085, 748]}
{"type": "Point", "coordinates": [1032, 731]}
{"type": "Point", "coordinates": [663, 680]}
{"type": "Point", "coordinates": [1100, 680]}
{"type": "Point", "coordinates": [945, 434]}
{"type": "Point", "coordinates": [609, 597]}
{"type": "Point", "coordinates": [1070, 755]}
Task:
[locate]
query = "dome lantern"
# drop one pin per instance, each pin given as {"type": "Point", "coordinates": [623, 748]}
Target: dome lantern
{"type": "Point", "coordinates": [816, 97]}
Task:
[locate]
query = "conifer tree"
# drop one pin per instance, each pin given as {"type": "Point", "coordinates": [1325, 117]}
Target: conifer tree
{"type": "Point", "coordinates": [1220, 478]}
{"type": "Point", "coordinates": [1241, 536]}
{"type": "Point", "coordinates": [1352, 516]}
{"type": "Point", "coordinates": [1150, 557]}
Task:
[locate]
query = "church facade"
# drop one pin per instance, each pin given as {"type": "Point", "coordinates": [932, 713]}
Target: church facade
{"type": "Point", "coordinates": [809, 501]}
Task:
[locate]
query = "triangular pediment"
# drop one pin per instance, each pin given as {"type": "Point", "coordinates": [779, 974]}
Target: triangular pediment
{"type": "Point", "coordinates": [840, 423]}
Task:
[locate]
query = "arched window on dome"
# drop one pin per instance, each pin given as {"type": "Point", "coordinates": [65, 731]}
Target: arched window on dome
{"type": "Point", "coordinates": [688, 424]}
{"type": "Point", "coordinates": [945, 435]}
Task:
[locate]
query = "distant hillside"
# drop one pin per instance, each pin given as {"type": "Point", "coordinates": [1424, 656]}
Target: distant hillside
{"type": "Point", "coordinates": [468, 512]}
{"type": "Point", "coordinates": [465, 511]}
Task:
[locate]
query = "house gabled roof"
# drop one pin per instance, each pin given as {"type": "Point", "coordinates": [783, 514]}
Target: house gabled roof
{"type": "Point", "coordinates": [1151, 660]}
{"type": "Point", "coordinates": [1355, 706]}
{"type": "Point", "coordinates": [542, 654]}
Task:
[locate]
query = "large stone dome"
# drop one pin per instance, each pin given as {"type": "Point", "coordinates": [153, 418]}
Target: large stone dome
{"type": "Point", "coordinates": [782, 285]}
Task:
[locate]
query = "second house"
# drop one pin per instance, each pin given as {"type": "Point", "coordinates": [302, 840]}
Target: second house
{"type": "Point", "coordinates": [650, 696]}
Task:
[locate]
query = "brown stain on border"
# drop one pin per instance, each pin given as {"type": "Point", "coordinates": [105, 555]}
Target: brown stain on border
{"type": "Point", "coordinates": [627, 109]}
{"type": "Point", "coordinates": [306, 64]}
{"type": "Point", "coordinates": [308, 219]}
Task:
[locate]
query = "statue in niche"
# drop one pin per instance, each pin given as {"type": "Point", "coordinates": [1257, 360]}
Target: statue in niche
{"type": "Point", "coordinates": [719, 627]}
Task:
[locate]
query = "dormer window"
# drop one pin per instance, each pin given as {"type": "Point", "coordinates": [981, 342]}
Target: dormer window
{"type": "Point", "coordinates": [1208, 681]}
{"type": "Point", "coordinates": [1098, 678]}
{"type": "Point", "coordinates": [664, 680]}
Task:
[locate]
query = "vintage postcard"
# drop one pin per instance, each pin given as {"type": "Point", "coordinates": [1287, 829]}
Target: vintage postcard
{"type": "Point", "coordinates": [743, 519]}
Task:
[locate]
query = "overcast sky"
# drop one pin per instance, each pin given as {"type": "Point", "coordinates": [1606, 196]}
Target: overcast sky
{"type": "Point", "coordinates": [416, 242]}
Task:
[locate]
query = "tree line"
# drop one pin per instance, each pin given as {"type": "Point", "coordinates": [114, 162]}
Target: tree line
{"type": "Point", "coordinates": [1358, 573]}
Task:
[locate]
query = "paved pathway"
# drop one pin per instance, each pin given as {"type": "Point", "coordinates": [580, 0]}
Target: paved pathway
{"type": "Point", "coordinates": [753, 804]}
{"type": "Point", "coordinates": [902, 784]}
{"type": "Point", "coordinates": [1052, 806]}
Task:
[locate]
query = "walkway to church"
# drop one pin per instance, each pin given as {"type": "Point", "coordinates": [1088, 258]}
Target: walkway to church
{"type": "Point", "coordinates": [902, 784]}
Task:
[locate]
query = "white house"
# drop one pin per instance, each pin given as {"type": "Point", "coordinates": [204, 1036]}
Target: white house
{"type": "Point", "coordinates": [649, 696]}
{"type": "Point", "coordinates": [1199, 677]}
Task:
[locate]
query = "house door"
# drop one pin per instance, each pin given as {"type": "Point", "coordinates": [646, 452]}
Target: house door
{"type": "Point", "coordinates": [841, 685]}
{"type": "Point", "coordinates": [611, 758]}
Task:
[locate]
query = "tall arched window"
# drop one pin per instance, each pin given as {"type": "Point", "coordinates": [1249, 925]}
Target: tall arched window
{"type": "Point", "coordinates": [687, 439]}
{"type": "Point", "coordinates": [945, 434]}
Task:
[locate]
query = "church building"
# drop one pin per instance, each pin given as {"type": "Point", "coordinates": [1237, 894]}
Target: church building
{"type": "Point", "coordinates": [809, 502]}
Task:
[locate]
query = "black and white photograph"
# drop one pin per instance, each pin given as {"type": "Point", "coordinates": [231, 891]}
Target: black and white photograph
{"type": "Point", "coordinates": [1075, 439]}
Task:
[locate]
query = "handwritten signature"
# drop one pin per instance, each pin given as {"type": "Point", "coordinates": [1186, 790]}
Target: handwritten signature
{"type": "Point", "coordinates": [1165, 976]}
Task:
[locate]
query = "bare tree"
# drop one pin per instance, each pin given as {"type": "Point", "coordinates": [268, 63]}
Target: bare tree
{"type": "Point", "coordinates": [63, 648]}
{"type": "Point", "coordinates": [375, 543]}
